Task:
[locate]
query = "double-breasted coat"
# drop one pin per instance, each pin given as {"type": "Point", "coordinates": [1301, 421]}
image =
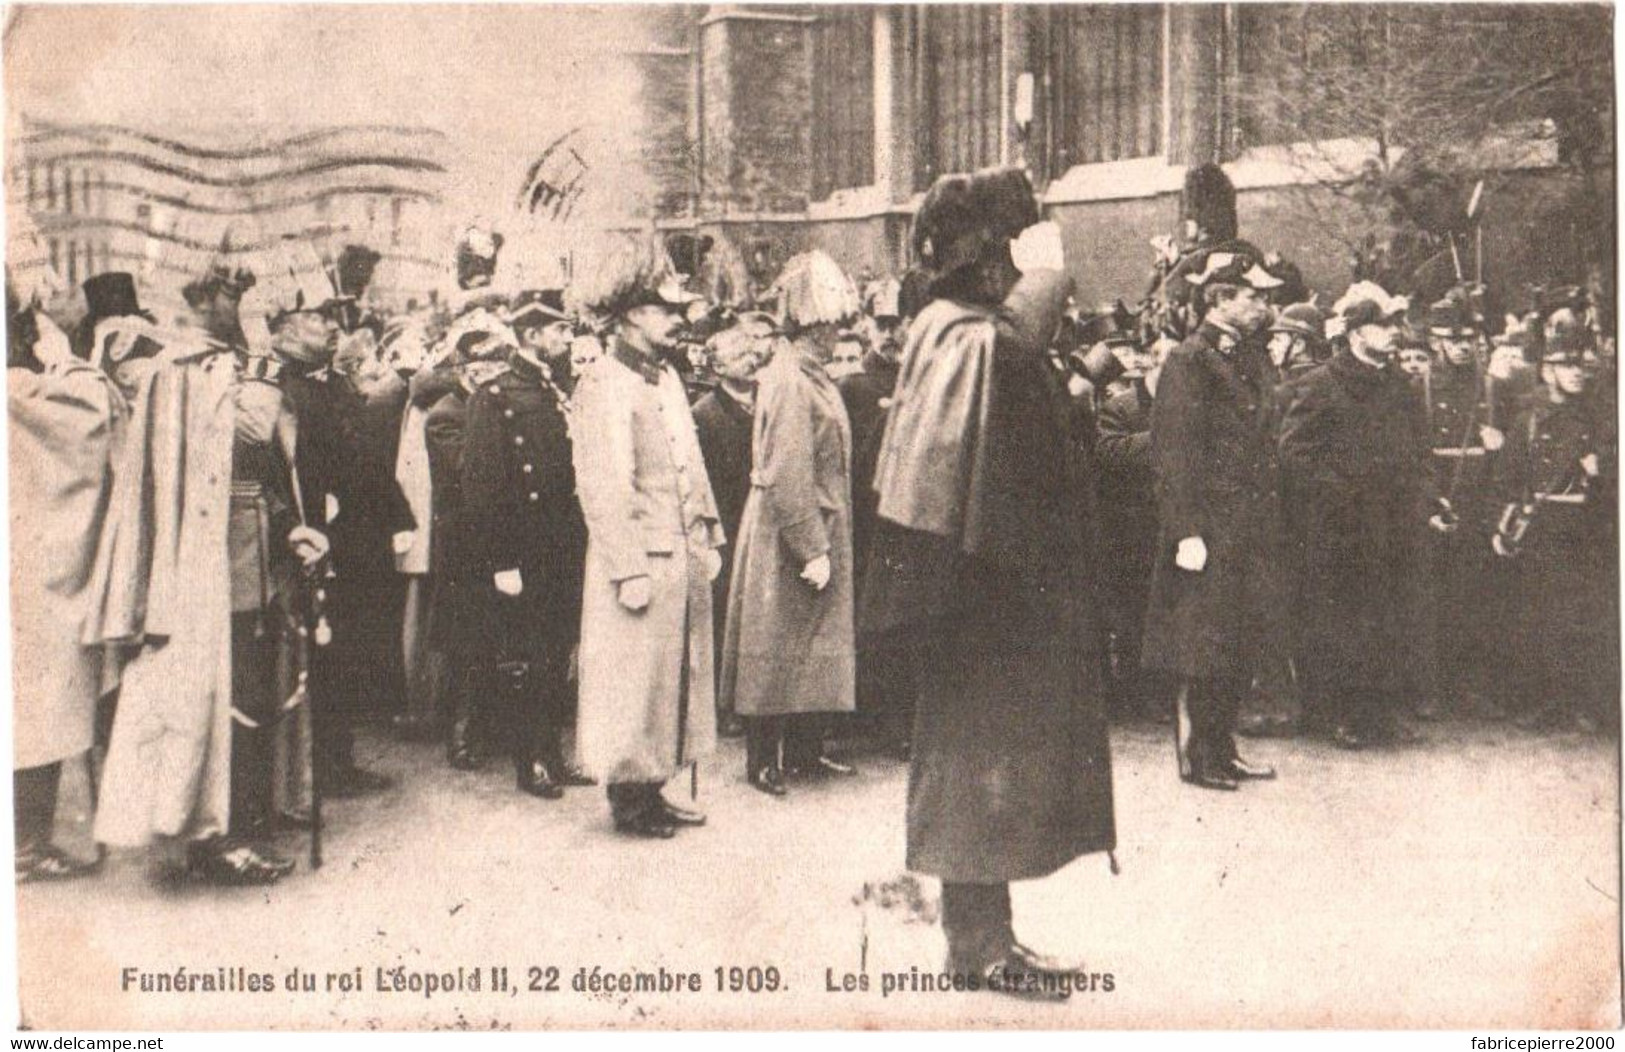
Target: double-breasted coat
{"type": "Point", "coordinates": [520, 512]}
{"type": "Point", "coordinates": [979, 573]}
{"type": "Point", "coordinates": [788, 647]}
{"type": "Point", "coordinates": [1213, 432]}
{"type": "Point", "coordinates": [1354, 447]}
{"type": "Point", "coordinates": [647, 678]}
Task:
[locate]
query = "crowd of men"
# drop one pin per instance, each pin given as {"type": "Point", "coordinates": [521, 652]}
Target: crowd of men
{"type": "Point", "coordinates": [593, 527]}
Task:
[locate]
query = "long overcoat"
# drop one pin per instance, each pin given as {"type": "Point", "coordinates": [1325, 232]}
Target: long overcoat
{"type": "Point", "coordinates": [979, 572]}
{"type": "Point", "coordinates": [788, 647]}
{"type": "Point", "coordinates": [1213, 431]}
{"type": "Point", "coordinates": [647, 679]}
{"type": "Point", "coordinates": [160, 593]}
{"type": "Point", "coordinates": [63, 427]}
{"type": "Point", "coordinates": [1354, 446]}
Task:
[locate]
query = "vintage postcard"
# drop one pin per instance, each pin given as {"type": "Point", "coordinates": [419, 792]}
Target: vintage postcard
{"type": "Point", "coordinates": [774, 516]}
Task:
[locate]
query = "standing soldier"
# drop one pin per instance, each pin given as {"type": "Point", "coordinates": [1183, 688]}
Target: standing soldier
{"type": "Point", "coordinates": [525, 544]}
{"type": "Point", "coordinates": [647, 688]}
{"type": "Point", "coordinates": [788, 653]}
{"type": "Point", "coordinates": [1128, 527]}
{"type": "Point", "coordinates": [984, 544]}
{"type": "Point", "coordinates": [1351, 443]}
{"type": "Point", "coordinates": [1464, 444]}
{"type": "Point", "coordinates": [1557, 530]}
{"type": "Point", "coordinates": [885, 687]}
{"type": "Point", "coordinates": [722, 420]}
{"type": "Point", "coordinates": [1213, 444]}
{"type": "Point", "coordinates": [477, 349]}
{"type": "Point", "coordinates": [195, 582]}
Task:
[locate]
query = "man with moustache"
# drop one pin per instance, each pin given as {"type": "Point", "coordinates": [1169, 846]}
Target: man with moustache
{"type": "Point", "coordinates": [1353, 444]}
{"type": "Point", "coordinates": [647, 683]}
{"type": "Point", "coordinates": [1213, 586]}
{"type": "Point", "coordinates": [525, 541]}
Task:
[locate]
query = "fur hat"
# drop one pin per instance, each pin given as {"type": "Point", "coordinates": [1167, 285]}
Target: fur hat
{"type": "Point", "coordinates": [1209, 201]}
{"type": "Point", "coordinates": [963, 215]}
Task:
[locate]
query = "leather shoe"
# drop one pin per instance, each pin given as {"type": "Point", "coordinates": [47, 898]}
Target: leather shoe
{"type": "Point", "coordinates": [680, 816]}
{"type": "Point", "coordinates": [1241, 770]}
{"type": "Point", "coordinates": [51, 863]}
{"type": "Point", "coordinates": [769, 780]}
{"type": "Point", "coordinates": [534, 778]}
{"type": "Point", "coordinates": [235, 864]}
{"type": "Point", "coordinates": [651, 824]}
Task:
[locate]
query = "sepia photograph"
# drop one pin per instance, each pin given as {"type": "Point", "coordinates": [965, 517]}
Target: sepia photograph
{"type": "Point", "coordinates": [787, 517]}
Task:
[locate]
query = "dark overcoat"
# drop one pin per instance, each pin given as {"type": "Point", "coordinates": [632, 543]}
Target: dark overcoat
{"type": "Point", "coordinates": [520, 512]}
{"type": "Point", "coordinates": [979, 574]}
{"type": "Point", "coordinates": [723, 425]}
{"type": "Point", "coordinates": [1213, 447]}
{"type": "Point", "coordinates": [1126, 489]}
{"type": "Point", "coordinates": [452, 624]}
{"type": "Point", "coordinates": [868, 395]}
{"type": "Point", "coordinates": [1354, 447]}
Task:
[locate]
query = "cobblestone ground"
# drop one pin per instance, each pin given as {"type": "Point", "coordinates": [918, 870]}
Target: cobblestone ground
{"type": "Point", "coordinates": [1468, 881]}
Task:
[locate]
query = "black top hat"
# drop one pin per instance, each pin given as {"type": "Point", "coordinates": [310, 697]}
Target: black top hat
{"type": "Point", "coordinates": [355, 268]}
{"type": "Point", "coordinates": [111, 295]}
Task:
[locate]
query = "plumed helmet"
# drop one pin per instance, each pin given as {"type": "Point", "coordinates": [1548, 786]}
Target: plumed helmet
{"type": "Point", "coordinates": [812, 289]}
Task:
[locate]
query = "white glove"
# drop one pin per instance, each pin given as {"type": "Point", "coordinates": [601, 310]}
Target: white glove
{"type": "Point", "coordinates": [508, 582]}
{"type": "Point", "coordinates": [1492, 438]}
{"type": "Point", "coordinates": [307, 543]}
{"type": "Point", "coordinates": [634, 593]}
{"type": "Point", "coordinates": [816, 573]}
{"type": "Point", "coordinates": [1191, 555]}
{"type": "Point", "coordinates": [1588, 464]}
{"type": "Point", "coordinates": [713, 564]}
{"type": "Point", "coordinates": [1038, 248]}
{"type": "Point", "coordinates": [401, 543]}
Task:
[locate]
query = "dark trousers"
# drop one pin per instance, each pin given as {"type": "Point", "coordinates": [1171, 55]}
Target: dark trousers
{"type": "Point", "coordinates": [885, 688]}
{"type": "Point", "coordinates": [1205, 723]}
{"type": "Point", "coordinates": [976, 922]}
{"type": "Point", "coordinates": [255, 641]}
{"type": "Point", "coordinates": [34, 801]}
{"type": "Point", "coordinates": [631, 799]}
{"type": "Point", "coordinates": [531, 703]}
{"type": "Point", "coordinates": [801, 739]}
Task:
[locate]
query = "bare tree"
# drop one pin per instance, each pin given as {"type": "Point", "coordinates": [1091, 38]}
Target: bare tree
{"type": "Point", "coordinates": [1395, 112]}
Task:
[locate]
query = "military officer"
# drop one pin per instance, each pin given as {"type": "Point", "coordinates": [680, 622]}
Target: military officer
{"type": "Point", "coordinates": [1556, 531]}
{"type": "Point", "coordinates": [1213, 586]}
{"type": "Point", "coordinates": [647, 683]}
{"type": "Point", "coordinates": [525, 543]}
{"type": "Point", "coordinates": [1351, 443]}
{"type": "Point", "coordinates": [1463, 447]}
